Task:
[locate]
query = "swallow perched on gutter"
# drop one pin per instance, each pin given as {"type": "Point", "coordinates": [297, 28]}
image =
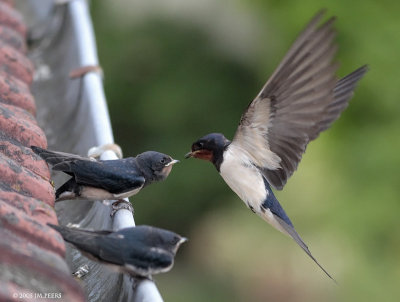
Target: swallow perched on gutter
{"type": "Point", "coordinates": [302, 98]}
{"type": "Point", "coordinates": [139, 251]}
{"type": "Point", "coordinates": [106, 179]}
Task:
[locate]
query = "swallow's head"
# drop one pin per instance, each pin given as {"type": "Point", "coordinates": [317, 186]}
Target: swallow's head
{"type": "Point", "coordinates": [175, 242]}
{"type": "Point", "coordinates": [159, 165]}
{"type": "Point", "coordinates": [170, 241]}
{"type": "Point", "coordinates": [153, 249]}
{"type": "Point", "coordinates": [160, 238]}
{"type": "Point", "coordinates": [209, 147]}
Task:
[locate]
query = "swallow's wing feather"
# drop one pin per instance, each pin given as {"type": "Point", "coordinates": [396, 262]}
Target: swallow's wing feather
{"type": "Point", "coordinates": [85, 240]}
{"type": "Point", "coordinates": [142, 259]}
{"type": "Point", "coordinates": [154, 260]}
{"type": "Point", "coordinates": [129, 248]}
{"type": "Point", "coordinates": [301, 99]}
{"type": "Point", "coordinates": [135, 254]}
{"type": "Point", "coordinates": [115, 176]}
{"type": "Point", "coordinates": [55, 157]}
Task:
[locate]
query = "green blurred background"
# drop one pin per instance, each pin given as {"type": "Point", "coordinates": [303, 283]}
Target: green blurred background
{"type": "Point", "coordinates": [176, 70]}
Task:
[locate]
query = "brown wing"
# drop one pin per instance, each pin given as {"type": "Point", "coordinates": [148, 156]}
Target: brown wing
{"type": "Point", "coordinates": [301, 99]}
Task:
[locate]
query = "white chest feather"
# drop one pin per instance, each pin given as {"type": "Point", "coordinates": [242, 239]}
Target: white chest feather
{"type": "Point", "coordinates": [243, 177]}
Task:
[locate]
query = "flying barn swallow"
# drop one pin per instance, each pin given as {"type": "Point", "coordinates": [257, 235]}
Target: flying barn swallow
{"type": "Point", "coordinates": [139, 251]}
{"type": "Point", "coordinates": [302, 98]}
{"type": "Point", "coordinates": [106, 179]}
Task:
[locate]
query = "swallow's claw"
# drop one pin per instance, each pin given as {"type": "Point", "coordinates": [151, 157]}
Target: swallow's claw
{"type": "Point", "coordinates": [121, 204]}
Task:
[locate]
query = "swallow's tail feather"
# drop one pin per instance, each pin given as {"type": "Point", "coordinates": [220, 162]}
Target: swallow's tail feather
{"type": "Point", "coordinates": [54, 157]}
{"type": "Point", "coordinates": [289, 230]}
{"type": "Point", "coordinates": [273, 213]}
{"type": "Point", "coordinates": [84, 240]}
{"type": "Point", "coordinates": [49, 156]}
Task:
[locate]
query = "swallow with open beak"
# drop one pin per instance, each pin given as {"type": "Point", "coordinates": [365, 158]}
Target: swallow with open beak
{"type": "Point", "coordinates": [139, 251]}
{"type": "Point", "coordinates": [106, 179]}
{"type": "Point", "coordinates": [302, 98]}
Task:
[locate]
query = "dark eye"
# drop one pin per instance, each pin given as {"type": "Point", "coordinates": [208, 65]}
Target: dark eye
{"type": "Point", "coordinates": [198, 146]}
{"type": "Point", "coordinates": [163, 160]}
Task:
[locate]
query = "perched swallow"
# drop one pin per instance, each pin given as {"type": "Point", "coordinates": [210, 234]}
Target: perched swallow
{"type": "Point", "coordinates": [302, 98]}
{"type": "Point", "coordinates": [138, 251]}
{"type": "Point", "coordinates": [106, 179]}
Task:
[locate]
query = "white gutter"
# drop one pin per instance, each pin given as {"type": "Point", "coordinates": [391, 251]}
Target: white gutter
{"type": "Point", "coordinates": [145, 291]}
{"type": "Point", "coordinates": [87, 54]}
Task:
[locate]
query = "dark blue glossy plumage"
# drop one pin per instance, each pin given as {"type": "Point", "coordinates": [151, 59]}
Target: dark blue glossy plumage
{"type": "Point", "coordinates": [141, 250]}
{"type": "Point", "coordinates": [275, 207]}
{"type": "Point", "coordinates": [106, 179]}
{"type": "Point", "coordinates": [115, 176]}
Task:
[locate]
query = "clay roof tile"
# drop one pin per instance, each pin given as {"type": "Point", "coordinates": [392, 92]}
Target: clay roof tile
{"type": "Point", "coordinates": [32, 254]}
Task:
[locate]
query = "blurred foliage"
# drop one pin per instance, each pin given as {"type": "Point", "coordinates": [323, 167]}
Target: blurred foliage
{"type": "Point", "coordinates": [176, 70]}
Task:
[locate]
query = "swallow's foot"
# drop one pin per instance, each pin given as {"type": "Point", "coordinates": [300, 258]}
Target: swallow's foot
{"type": "Point", "coordinates": [121, 204]}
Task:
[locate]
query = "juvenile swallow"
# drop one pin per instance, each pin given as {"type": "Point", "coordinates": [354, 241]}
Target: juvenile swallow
{"type": "Point", "coordinates": [106, 179]}
{"type": "Point", "coordinates": [302, 98]}
{"type": "Point", "coordinates": [139, 251]}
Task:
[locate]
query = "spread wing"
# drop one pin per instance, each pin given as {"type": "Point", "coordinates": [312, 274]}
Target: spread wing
{"type": "Point", "coordinates": [302, 98]}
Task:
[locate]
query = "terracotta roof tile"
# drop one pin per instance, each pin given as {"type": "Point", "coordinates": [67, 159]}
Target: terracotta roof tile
{"type": "Point", "coordinates": [15, 92]}
{"type": "Point", "coordinates": [13, 38]}
{"type": "Point", "coordinates": [32, 254]}
{"type": "Point", "coordinates": [24, 156]}
{"type": "Point", "coordinates": [12, 18]}
{"type": "Point", "coordinates": [8, 2]}
{"type": "Point", "coordinates": [24, 181]}
{"type": "Point", "coordinates": [30, 275]}
{"type": "Point", "coordinates": [15, 63]}
{"type": "Point", "coordinates": [30, 228]}
{"type": "Point", "coordinates": [25, 247]}
{"type": "Point", "coordinates": [34, 208]}
{"type": "Point", "coordinates": [20, 125]}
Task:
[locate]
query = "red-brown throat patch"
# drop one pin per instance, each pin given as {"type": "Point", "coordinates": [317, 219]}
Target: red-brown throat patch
{"type": "Point", "coordinates": [203, 154]}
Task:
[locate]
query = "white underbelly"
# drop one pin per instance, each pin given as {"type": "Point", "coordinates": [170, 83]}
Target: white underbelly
{"type": "Point", "coordinates": [244, 179]}
{"type": "Point", "coordinates": [92, 193]}
{"type": "Point", "coordinates": [248, 183]}
{"type": "Point", "coordinates": [128, 194]}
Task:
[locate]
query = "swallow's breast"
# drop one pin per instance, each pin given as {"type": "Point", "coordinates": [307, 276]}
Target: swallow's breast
{"type": "Point", "coordinates": [243, 177]}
